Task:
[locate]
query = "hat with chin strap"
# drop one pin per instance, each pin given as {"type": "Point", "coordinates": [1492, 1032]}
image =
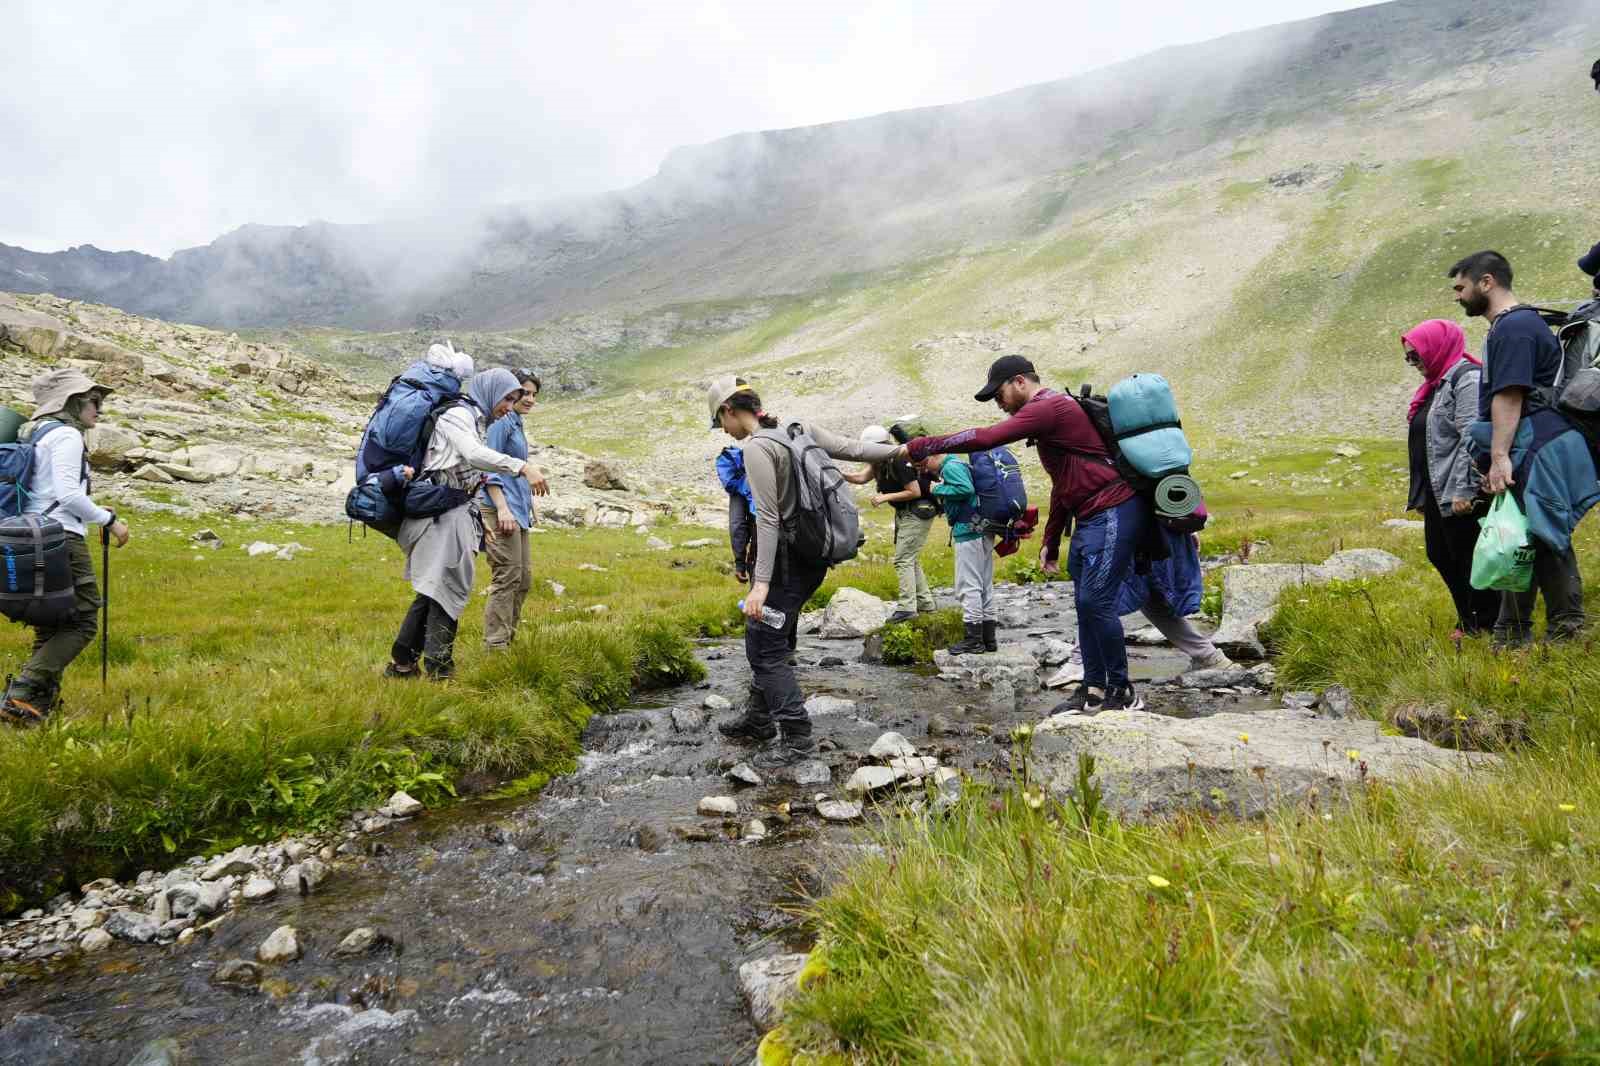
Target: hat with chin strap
{"type": "Point", "coordinates": [720, 391]}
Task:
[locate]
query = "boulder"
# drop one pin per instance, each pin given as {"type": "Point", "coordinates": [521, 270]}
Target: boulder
{"type": "Point", "coordinates": [125, 924]}
{"type": "Point", "coordinates": [1151, 764]}
{"type": "Point", "coordinates": [913, 767]}
{"type": "Point", "coordinates": [598, 474]}
{"type": "Point", "coordinates": [767, 983]}
{"type": "Point", "coordinates": [869, 779]}
{"type": "Point", "coordinates": [179, 472]}
{"type": "Point", "coordinates": [823, 706]}
{"type": "Point", "coordinates": [108, 446]}
{"type": "Point", "coordinates": [282, 945]}
{"type": "Point", "coordinates": [1013, 664]}
{"type": "Point", "coordinates": [153, 473]}
{"type": "Point", "coordinates": [852, 614]}
{"type": "Point", "coordinates": [218, 460]}
{"type": "Point", "coordinates": [1250, 592]}
{"type": "Point", "coordinates": [839, 810]}
{"type": "Point", "coordinates": [402, 805]}
{"type": "Point", "coordinates": [717, 806]}
{"type": "Point", "coordinates": [891, 746]}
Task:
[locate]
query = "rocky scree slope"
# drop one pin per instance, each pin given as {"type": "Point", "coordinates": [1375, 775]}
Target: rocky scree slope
{"type": "Point", "coordinates": [204, 422]}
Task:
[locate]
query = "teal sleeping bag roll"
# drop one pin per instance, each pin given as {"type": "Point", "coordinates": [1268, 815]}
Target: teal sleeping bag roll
{"type": "Point", "coordinates": [1145, 418]}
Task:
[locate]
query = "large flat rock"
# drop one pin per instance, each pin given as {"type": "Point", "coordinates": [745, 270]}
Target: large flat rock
{"type": "Point", "coordinates": [1250, 592]}
{"type": "Point", "coordinates": [1150, 764]}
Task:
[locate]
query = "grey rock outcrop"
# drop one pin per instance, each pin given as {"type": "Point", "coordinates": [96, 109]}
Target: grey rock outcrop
{"type": "Point", "coordinates": [1250, 592]}
{"type": "Point", "coordinates": [1152, 764]}
{"type": "Point", "coordinates": [852, 614]}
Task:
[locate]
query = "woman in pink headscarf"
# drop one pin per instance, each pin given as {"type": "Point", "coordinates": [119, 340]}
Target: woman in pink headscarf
{"type": "Point", "coordinates": [1444, 485]}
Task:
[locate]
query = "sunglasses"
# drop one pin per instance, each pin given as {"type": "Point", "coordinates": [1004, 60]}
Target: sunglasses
{"type": "Point", "coordinates": [1413, 358]}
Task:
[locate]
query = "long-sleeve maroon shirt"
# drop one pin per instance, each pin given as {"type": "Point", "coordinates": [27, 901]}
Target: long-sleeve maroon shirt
{"type": "Point", "coordinates": [1083, 481]}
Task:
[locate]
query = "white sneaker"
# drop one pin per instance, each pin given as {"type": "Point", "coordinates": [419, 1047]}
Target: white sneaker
{"type": "Point", "coordinates": [1215, 661]}
{"type": "Point", "coordinates": [1070, 673]}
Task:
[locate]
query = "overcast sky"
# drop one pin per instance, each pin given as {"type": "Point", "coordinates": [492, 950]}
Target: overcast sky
{"type": "Point", "coordinates": [158, 125]}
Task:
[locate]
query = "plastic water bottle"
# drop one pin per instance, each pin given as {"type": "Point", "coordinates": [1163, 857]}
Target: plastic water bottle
{"type": "Point", "coordinates": [770, 618]}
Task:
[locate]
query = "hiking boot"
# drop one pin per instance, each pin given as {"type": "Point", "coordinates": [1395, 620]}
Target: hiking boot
{"type": "Point", "coordinates": [991, 642]}
{"type": "Point", "coordinates": [20, 706]}
{"type": "Point", "coordinates": [791, 749]}
{"type": "Point", "coordinates": [1083, 699]}
{"type": "Point", "coordinates": [398, 670]}
{"type": "Point", "coordinates": [972, 642]}
{"type": "Point", "coordinates": [928, 608]}
{"type": "Point", "coordinates": [437, 671]}
{"type": "Point", "coordinates": [900, 616]}
{"type": "Point", "coordinates": [1123, 698]}
{"type": "Point", "coordinates": [747, 728]}
{"type": "Point", "coordinates": [1215, 661]}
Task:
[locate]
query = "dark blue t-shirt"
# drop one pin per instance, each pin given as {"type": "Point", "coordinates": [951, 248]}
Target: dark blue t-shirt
{"type": "Point", "coordinates": [1521, 352]}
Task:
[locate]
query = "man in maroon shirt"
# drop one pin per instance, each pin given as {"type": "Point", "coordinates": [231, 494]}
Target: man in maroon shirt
{"type": "Point", "coordinates": [1085, 488]}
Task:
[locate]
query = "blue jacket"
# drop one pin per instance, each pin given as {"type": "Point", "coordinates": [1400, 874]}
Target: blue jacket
{"type": "Point", "coordinates": [508, 437]}
{"type": "Point", "coordinates": [1554, 472]}
{"type": "Point", "coordinates": [741, 506]}
{"type": "Point", "coordinates": [1176, 580]}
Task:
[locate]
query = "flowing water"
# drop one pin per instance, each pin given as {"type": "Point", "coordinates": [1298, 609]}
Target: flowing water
{"type": "Point", "coordinates": [576, 927]}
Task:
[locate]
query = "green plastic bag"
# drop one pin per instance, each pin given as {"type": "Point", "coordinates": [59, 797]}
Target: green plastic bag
{"type": "Point", "coordinates": [1503, 557]}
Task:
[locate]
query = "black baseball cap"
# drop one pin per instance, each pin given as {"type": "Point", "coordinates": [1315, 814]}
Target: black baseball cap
{"type": "Point", "coordinates": [1001, 371]}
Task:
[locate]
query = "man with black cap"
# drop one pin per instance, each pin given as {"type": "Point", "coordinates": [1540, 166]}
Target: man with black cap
{"type": "Point", "coordinates": [68, 404]}
{"type": "Point", "coordinates": [1110, 518]}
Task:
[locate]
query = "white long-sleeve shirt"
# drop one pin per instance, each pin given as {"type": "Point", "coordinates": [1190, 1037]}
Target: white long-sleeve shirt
{"type": "Point", "coordinates": [59, 480]}
{"type": "Point", "coordinates": [457, 444]}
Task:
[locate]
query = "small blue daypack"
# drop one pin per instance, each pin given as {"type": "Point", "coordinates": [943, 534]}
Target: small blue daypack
{"type": "Point", "coordinates": [16, 468]}
{"type": "Point", "coordinates": [997, 479]}
{"type": "Point", "coordinates": [398, 431]}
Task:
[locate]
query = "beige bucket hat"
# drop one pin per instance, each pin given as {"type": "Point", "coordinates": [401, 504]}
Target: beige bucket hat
{"type": "Point", "coordinates": [52, 390]}
{"type": "Point", "coordinates": [720, 391]}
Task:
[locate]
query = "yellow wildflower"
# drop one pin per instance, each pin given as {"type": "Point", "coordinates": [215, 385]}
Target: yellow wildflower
{"type": "Point", "coordinates": [1157, 881]}
{"type": "Point", "coordinates": [1566, 808]}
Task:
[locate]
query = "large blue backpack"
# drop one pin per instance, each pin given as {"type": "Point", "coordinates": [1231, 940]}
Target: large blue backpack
{"type": "Point", "coordinates": [1002, 497]}
{"type": "Point", "coordinates": [397, 435]}
{"type": "Point", "coordinates": [398, 431]}
{"type": "Point", "coordinates": [16, 468]}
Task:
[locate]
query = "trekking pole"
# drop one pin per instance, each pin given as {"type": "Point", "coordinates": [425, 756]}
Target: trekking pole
{"type": "Point", "coordinates": [105, 604]}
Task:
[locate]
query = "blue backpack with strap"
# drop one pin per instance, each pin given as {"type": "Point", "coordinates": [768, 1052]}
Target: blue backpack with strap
{"type": "Point", "coordinates": [16, 468]}
{"type": "Point", "coordinates": [997, 479]}
{"type": "Point", "coordinates": [398, 431]}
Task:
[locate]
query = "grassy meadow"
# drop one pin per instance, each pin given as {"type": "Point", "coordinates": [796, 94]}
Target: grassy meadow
{"type": "Point", "coordinates": [245, 695]}
{"type": "Point", "coordinates": [1456, 921]}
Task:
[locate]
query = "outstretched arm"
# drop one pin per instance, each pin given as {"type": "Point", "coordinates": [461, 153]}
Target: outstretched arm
{"type": "Point", "coordinates": [1031, 421]}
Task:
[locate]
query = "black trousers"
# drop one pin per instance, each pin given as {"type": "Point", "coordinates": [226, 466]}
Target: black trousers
{"type": "Point", "coordinates": [1449, 540]}
{"type": "Point", "coordinates": [1556, 577]}
{"type": "Point", "coordinates": [427, 632]}
{"type": "Point", "coordinates": [775, 694]}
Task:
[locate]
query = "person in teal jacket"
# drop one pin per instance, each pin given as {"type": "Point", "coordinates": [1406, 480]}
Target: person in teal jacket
{"type": "Point", "coordinates": [974, 552]}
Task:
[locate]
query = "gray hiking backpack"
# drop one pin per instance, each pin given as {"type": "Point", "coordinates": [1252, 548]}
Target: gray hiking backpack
{"type": "Point", "coordinates": [824, 524]}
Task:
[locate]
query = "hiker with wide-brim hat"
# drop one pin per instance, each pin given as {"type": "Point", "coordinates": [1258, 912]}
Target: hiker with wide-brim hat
{"type": "Point", "coordinates": [440, 546]}
{"type": "Point", "coordinates": [783, 576]}
{"type": "Point", "coordinates": [67, 404]}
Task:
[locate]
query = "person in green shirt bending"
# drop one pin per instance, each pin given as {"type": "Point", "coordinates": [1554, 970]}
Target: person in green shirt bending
{"type": "Point", "coordinates": [974, 552]}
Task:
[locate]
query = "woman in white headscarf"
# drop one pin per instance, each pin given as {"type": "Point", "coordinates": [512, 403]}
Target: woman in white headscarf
{"type": "Point", "coordinates": [440, 547]}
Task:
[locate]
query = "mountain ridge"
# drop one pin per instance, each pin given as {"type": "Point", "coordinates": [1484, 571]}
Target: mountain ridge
{"type": "Point", "coordinates": [780, 211]}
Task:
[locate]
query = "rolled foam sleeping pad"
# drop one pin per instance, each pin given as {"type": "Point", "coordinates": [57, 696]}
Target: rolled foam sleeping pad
{"type": "Point", "coordinates": [1177, 496]}
{"type": "Point", "coordinates": [1142, 400]}
{"type": "Point", "coordinates": [10, 422]}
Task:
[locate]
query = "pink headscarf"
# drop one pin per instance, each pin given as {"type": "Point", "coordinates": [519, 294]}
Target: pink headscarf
{"type": "Point", "coordinates": [1442, 345]}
